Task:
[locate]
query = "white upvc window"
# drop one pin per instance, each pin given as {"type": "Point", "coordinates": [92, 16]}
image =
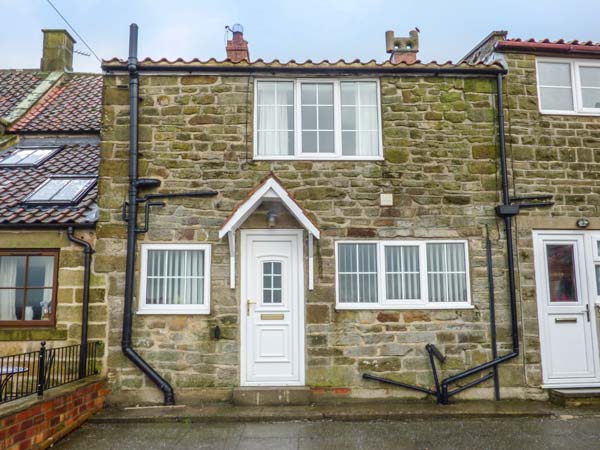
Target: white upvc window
{"type": "Point", "coordinates": [175, 279]}
{"type": "Point", "coordinates": [402, 274]}
{"type": "Point", "coordinates": [567, 86]}
{"type": "Point", "coordinates": [314, 119]}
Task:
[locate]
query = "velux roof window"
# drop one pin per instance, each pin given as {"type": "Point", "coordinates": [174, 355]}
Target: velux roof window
{"type": "Point", "coordinates": [28, 156]}
{"type": "Point", "coordinates": [62, 189]}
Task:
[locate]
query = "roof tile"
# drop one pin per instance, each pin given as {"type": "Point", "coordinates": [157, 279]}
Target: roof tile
{"type": "Point", "coordinates": [15, 86]}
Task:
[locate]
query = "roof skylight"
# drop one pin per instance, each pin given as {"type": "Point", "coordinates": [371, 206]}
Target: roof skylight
{"type": "Point", "coordinates": [28, 156]}
{"type": "Point", "coordinates": [62, 189]}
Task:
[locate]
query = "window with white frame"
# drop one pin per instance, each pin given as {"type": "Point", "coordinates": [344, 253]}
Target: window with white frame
{"type": "Point", "coordinates": [317, 119]}
{"type": "Point", "coordinates": [402, 274]}
{"type": "Point", "coordinates": [175, 279]}
{"type": "Point", "coordinates": [568, 86]}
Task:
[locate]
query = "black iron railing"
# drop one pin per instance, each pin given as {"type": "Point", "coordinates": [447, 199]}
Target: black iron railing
{"type": "Point", "coordinates": [35, 372]}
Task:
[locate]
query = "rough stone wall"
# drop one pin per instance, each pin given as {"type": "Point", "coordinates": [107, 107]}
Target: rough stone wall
{"type": "Point", "coordinates": [67, 331]}
{"type": "Point", "coordinates": [439, 140]}
{"type": "Point", "coordinates": [549, 154]}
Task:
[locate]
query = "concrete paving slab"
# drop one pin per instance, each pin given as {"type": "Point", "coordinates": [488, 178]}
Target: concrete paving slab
{"type": "Point", "coordinates": [496, 433]}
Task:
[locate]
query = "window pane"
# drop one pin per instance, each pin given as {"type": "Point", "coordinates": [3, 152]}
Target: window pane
{"type": "Point", "coordinates": [402, 272]}
{"type": "Point", "coordinates": [49, 189]}
{"type": "Point", "coordinates": [597, 280]}
{"type": "Point", "coordinates": [368, 143]}
{"type": "Point", "coordinates": [349, 117]}
{"type": "Point", "coordinates": [326, 142]}
{"type": "Point", "coordinates": [11, 304]}
{"type": "Point", "coordinates": [559, 99]}
{"type": "Point", "coordinates": [349, 94]}
{"type": "Point", "coordinates": [554, 74]}
{"type": "Point", "coordinates": [349, 143]}
{"type": "Point", "coordinates": [309, 117]}
{"type": "Point", "coordinates": [325, 94]}
{"type": "Point", "coordinates": [562, 282]}
{"type": "Point", "coordinates": [368, 93]}
{"type": "Point", "coordinates": [275, 118]}
{"type": "Point", "coordinates": [285, 93]}
{"type": "Point", "coordinates": [38, 304]}
{"type": "Point", "coordinates": [195, 291]}
{"type": "Point", "coordinates": [12, 271]}
{"type": "Point", "coordinates": [325, 117]}
{"type": "Point", "coordinates": [175, 277]}
{"type": "Point", "coordinates": [71, 190]}
{"type": "Point", "coordinates": [357, 269]}
{"type": "Point", "coordinates": [309, 141]}
{"type": "Point", "coordinates": [41, 271]}
{"type": "Point", "coordinates": [446, 272]}
{"type": "Point", "coordinates": [266, 92]}
{"type": "Point", "coordinates": [16, 157]}
{"type": "Point", "coordinates": [36, 156]}
{"type": "Point", "coordinates": [590, 97]}
{"type": "Point", "coordinates": [590, 76]}
{"type": "Point", "coordinates": [309, 94]}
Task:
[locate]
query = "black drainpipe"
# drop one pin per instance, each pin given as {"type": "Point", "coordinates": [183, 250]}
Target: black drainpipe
{"type": "Point", "coordinates": [506, 211]}
{"type": "Point", "coordinates": [87, 267]}
{"type": "Point", "coordinates": [132, 64]}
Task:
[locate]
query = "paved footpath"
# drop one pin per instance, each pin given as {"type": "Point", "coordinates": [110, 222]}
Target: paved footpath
{"type": "Point", "coordinates": [563, 432]}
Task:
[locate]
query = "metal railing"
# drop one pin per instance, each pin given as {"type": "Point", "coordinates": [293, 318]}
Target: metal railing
{"type": "Point", "coordinates": [35, 372]}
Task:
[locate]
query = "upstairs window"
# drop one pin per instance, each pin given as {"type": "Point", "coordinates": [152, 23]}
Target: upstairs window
{"type": "Point", "coordinates": [568, 87]}
{"type": "Point", "coordinates": [28, 156]}
{"type": "Point", "coordinates": [61, 190]}
{"type": "Point", "coordinates": [402, 275]}
{"type": "Point", "coordinates": [317, 119]}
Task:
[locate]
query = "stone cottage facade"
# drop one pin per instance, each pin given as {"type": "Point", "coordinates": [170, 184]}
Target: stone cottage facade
{"type": "Point", "coordinates": [49, 140]}
{"type": "Point", "coordinates": [411, 203]}
{"type": "Point", "coordinates": [553, 135]}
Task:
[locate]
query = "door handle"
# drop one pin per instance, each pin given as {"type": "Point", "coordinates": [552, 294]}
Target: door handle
{"type": "Point", "coordinates": [248, 303]}
{"type": "Point", "coordinates": [587, 311]}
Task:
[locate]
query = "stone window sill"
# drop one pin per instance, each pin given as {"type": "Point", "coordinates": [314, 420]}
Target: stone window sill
{"type": "Point", "coordinates": [32, 334]}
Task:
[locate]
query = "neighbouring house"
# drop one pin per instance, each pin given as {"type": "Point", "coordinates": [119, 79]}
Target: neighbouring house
{"type": "Point", "coordinates": [50, 139]}
{"type": "Point", "coordinates": [301, 224]}
{"type": "Point", "coordinates": [553, 118]}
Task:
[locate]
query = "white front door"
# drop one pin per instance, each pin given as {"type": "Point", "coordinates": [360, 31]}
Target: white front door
{"type": "Point", "coordinates": [564, 269]}
{"type": "Point", "coordinates": [272, 308]}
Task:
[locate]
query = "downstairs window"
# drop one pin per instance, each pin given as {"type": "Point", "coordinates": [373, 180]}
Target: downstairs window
{"type": "Point", "coordinates": [402, 274]}
{"type": "Point", "coordinates": [175, 279]}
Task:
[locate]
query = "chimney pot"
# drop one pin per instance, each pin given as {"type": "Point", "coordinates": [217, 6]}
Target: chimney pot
{"type": "Point", "coordinates": [402, 49]}
{"type": "Point", "coordinates": [237, 46]}
{"type": "Point", "coordinates": [58, 51]}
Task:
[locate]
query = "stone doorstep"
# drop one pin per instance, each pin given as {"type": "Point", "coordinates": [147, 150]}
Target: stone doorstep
{"type": "Point", "coordinates": [272, 396]}
{"type": "Point", "coordinates": [344, 412]}
{"type": "Point", "coordinates": [575, 397]}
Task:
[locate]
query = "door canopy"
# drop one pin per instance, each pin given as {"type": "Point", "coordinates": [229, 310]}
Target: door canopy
{"type": "Point", "coordinates": [269, 189]}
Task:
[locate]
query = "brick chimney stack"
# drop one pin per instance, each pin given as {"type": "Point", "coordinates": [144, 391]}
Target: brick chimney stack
{"type": "Point", "coordinates": [402, 49]}
{"type": "Point", "coordinates": [237, 47]}
{"type": "Point", "coordinates": [58, 51]}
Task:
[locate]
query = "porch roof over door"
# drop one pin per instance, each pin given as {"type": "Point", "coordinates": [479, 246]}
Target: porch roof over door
{"type": "Point", "coordinates": [270, 188]}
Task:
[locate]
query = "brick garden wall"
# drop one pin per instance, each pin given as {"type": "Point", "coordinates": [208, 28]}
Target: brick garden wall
{"type": "Point", "coordinates": [439, 140]}
{"type": "Point", "coordinates": [37, 424]}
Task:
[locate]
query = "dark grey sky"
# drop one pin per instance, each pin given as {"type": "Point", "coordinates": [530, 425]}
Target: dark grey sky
{"type": "Point", "coordinates": [287, 29]}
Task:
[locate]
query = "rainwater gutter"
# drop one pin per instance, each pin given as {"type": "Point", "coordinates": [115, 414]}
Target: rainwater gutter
{"type": "Point", "coordinates": [126, 344]}
{"type": "Point", "coordinates": [87, 268]}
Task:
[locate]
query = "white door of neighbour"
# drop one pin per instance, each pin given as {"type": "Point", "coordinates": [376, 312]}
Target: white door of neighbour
{"type": "Point", "coordinates": [565, 309]}
{"type": "Point", "coordinates": [272, 308]}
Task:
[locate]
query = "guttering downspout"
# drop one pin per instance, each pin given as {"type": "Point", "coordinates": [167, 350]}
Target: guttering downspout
{"type": "Point", "coordinates": [506, 211]}
{"type": "Point", "coordinates": [126, 344]}
{"type": "Point", "coordinates": [87, 268]}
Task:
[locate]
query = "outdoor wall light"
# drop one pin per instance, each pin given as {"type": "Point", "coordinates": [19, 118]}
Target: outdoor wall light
{"type": "Point", "coordinates": [271, 219]}
{"type": "Point", "coordinates": [583, 223]}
